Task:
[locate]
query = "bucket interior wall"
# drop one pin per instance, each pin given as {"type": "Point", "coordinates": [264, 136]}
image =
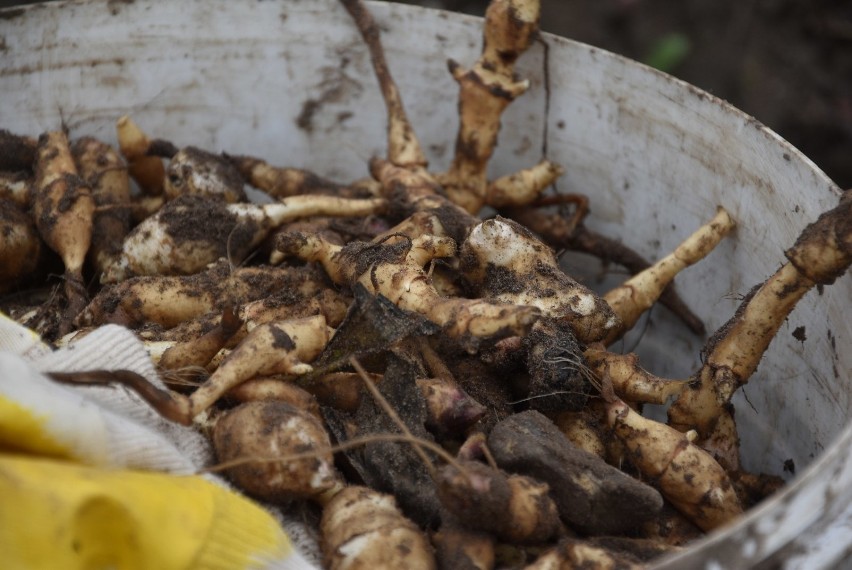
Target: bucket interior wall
{"type": "Point", "coordinates": [291, 82]}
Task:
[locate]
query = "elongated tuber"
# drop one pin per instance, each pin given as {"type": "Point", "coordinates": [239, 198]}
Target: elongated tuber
{"type": "Point", "coordinates": [485, 91]}
{"type": "Point", "coordinates": [640, 292]}
{"type": "Point", "coordinates": [687, 475]}
{"type": "Point", "coordinates": [821, 254]}
{"type": "Point", "coordinates": [63, 208]}
{"type": "Point", "coordinates": [629, 380]}
{"type": "Point", "coordinates": [200, 351]}
{"type": "Point", "coordinates": [172, 300]}
{"type": "Point", "coordinates": [395, 270]}
{"type": "Point", "coordinates": [106, 175]}
{"type": "Point", "coordinates": [148, 171]}
{"type": "Point", "coordinates": [277, 348]}
{"type": "Point", "coordinates": [191, 231]}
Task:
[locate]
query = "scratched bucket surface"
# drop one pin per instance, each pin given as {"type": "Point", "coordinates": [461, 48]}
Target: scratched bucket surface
{"type": "Point", "coordinates": [291, 82]}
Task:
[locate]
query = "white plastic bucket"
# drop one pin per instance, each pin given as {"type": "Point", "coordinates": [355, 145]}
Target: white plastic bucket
{"type": "Point", "coordinates": [291, 82]}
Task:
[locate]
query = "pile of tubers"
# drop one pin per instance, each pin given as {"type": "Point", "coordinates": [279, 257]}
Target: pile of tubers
{"type": "Point", "coordinates": [428, 384]}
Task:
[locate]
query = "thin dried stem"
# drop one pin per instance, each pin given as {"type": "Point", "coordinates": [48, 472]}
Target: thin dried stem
{"type": "Point", "coordinates": [345, 446]}
{"type": "Point", "coordinates": [403, 146]}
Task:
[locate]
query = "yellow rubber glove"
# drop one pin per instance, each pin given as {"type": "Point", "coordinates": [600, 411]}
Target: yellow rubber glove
{"type": "Point", "coordinates": [57, 514]}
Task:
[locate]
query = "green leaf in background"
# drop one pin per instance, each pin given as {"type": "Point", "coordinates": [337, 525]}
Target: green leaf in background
{"type": "Point", "coordinates": [668, 52]}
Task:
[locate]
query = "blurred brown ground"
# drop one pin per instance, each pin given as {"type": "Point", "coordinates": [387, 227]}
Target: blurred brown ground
{"type": "Point", "coordinates": [786, 62]}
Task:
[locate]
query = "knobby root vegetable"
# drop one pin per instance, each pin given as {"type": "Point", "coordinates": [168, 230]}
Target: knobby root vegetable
{"type": "Point", "coordinates": [199, 351]}
{"type": "Point", "coordinates": [20, 245]}
{"type": "Point", "coordinates": [363, 529]}
{"type": "Point", "coordinates": [512, 330]}
{"type": "Point", "coordinates": [485, 91]}
{"type": "Point", "coordinates": [148, 171]}
{"type": "Point", "coordinates": [403, 176]}
{"type": "Point", "coordinates": [195, 171]}
{"type": "Point", "coordinates": [306, 298]}
{"type": "Point", "coordinates": [63, 208]}
{"type": "Point", "coordinates": [413, 190]}
{"type": "Point", "coordinates": [687, 475]}
{"type": "Point", "coordinates": [403, 147]}
{"type": "Point", "coordinates": [281, 182]}
{"type": "Point", "coordinates": [191, 231]}
{"type": "Point", "coordinates": [821, 254]}
{"type": "Point", "coordinates": [630, 382]}
{"type": "Point", "coordinates": [105, 173]}
{"type": "Point", "coordinates": [524, 186]}
{"type": "Point", "coordinates": [639, 293]}
{"type": "Point", "coordinates": [276, 348]}
{"type": "Point", "coordinates": [172, 300]}
{"type": "Point", "coordinates": [564, 231]}
{"type": "Point", "coordinates": [270, 429]}
{"type": "Point", "coordinates": [504, 262]}
{"type": "Point", "coordinates": [395, 270]}
{"type": "Point", "coordinates": [514, 508]}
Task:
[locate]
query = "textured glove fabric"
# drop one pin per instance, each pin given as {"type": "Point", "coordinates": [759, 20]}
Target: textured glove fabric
{"type": "Point", "coordinates": [92, 477]}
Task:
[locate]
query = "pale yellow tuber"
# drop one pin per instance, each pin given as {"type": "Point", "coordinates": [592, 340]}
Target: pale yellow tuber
{"type": "Point", "coordinates": [364, 530]}
{"type": "Point", "coordinates": [63, 209]}
{"type": "Point", "coordinates": [687, 475]}
{"type": "Point", "coordinates": [639, 293]}
{"type": "Point", "coordinates": [504, 262]}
